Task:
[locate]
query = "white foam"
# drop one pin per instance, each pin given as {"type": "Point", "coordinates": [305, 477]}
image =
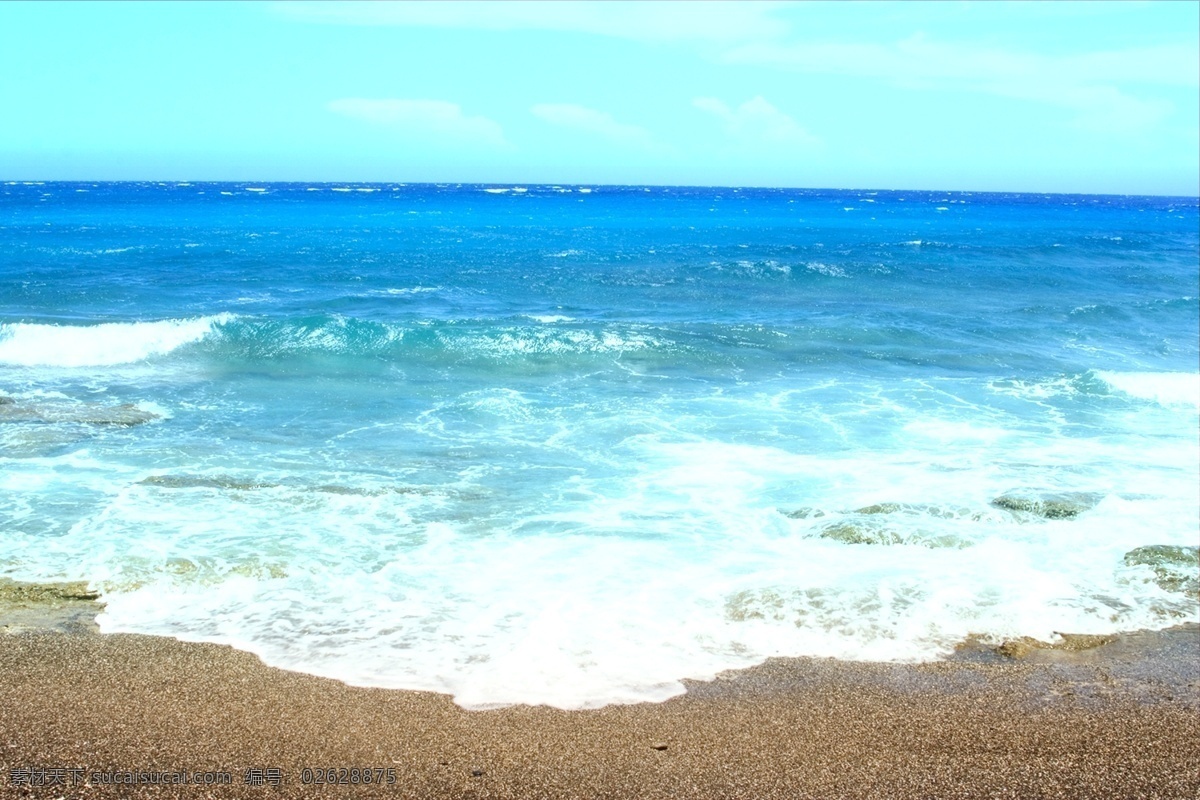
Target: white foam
{"type": "Point", "coordinates": [680, 568]}
{"type": "Point", "coordinates": [407, 290]}
{"type": "Point", "coordinates": [831, 270]}
{"type": "Point", "coordinates": [549, 318]}
{"type": "Point", "coordinates": [947, 430]}
{"type": "Point", "coordinates": [35, 344]}
{"type": "Point", "coordinates": [528, 341]}
{"type": "Point", "coordinates": [1165, 388]}
{"type": "Point", "coordinates": [584, 553]}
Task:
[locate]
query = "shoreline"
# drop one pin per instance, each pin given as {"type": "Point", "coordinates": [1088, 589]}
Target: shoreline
{"type": "Point", "coordinates": [1117, 718]}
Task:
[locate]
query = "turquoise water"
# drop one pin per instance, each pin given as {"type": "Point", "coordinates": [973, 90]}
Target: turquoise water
{"type": "Point", "coordinates": [571, 445]}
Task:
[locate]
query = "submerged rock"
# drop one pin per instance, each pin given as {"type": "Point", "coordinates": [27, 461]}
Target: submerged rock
{"type": "Point", "coordinates": [121, 414]}
{"type": "Point", "coordinates": [1066, 505]}
{"type": "Point", "coordinates": [203, 482]}
{"type": "Point", "coordinates": [34, 441]}
{"type": "Point", "coordinates": [1071, 642]}
{"type": "Point", "coordinates": [124, 414]}
{"type": "Point", "coordinates": [881, 508]}
{"type": "Point", "coordinates": [860, 533]}
{"type": "Point", "coordinates": [331, 488]}
{"type": "Point", "coordinates": [1176, 568]}
{"type": "Point", "coordinates": [11, 411]}
{"type": "Point", "coordinates": [228, 482]}
{"type": "Point", "coordinates": [804, 512]}
{"type": "Point", "coordinates": [875, 532]}
{"type": "Point", "coordinates": [921, 509]}
{"type": "Point", "coordinates": [68, 607]}
{"type": "Point", "coordinates": [51, 593]}
{"type": "Point", "coordinates": [751, 604]}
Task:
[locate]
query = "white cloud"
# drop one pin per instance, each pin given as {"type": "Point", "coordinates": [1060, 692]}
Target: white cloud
{"type": "Point", "coordinates": [645, 21]}
{"type": "Point", "coordinates": [757, 122]}
{"type": "Point", "coordinates": [589, 120]}
{"type": "Point", "coordinates": [436, 120]}
{"type": "Point", "coordinates": [1086, 83]}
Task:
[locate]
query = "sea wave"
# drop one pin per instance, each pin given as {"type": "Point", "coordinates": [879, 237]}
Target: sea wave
{"type": "Point", "coordinates": [346, 336]}
{"type": "Point", "coordinates": [38, 344]}
{"type": "Point", "coordinates": [1164, 388]}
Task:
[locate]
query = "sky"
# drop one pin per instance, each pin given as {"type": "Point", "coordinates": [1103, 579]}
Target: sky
{"type": "Point", "coordinates": [984, 96]}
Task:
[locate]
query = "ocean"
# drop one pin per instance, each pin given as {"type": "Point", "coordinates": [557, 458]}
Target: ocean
{"type": "Point", "coordinates": [571, 445]}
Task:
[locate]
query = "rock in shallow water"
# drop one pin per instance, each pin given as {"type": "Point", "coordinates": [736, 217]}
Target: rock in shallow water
{"type": "Point", "coordinates": [121, 414]}
{"type": "Point", "coordinates": [1176, 568]}
{"type": "Point", "coordinates": [871, 531]}
{"type": "Point", "coordinates": [804, 512]}
{"type": "Point", "coordinates": [126, 414]}
{"type": "Point", "coordinates": [203, 482]}
{"type": "Point", "coordinates": [63, 607]}
{"type": "Point", "coordinates": [1066, 505]}
{"type": "Point", "coordinates": [16, 592]}
{"type": "Point", "coordinates": [1071, 642]}
{"type": "Point", "coordinates": [921, 509]}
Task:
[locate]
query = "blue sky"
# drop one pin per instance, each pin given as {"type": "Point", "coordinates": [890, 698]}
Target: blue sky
{"type": "Point", "coordinates": [1060, 97]}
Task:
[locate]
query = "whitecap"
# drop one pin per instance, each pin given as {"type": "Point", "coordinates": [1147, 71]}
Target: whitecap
{"type": "Point", "coordinates": [821, 268]}
{"type": "Point", "coordinates": [1164, 388]}
{"type": "Point", "coordinates": [109, 343]}
{"type": "Point", "coordinates": [549, 318]}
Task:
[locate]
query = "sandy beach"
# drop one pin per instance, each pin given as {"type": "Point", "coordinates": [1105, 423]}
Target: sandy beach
{"type": "Point", "coordinates": [90, 715]}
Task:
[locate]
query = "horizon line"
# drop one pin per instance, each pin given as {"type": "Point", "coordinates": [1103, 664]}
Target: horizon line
{"type": "Point", "coordinates": [587, 184]}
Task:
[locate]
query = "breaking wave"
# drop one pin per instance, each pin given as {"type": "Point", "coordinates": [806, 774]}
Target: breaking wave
{"type": "Point", "coordinates": [39, 344]}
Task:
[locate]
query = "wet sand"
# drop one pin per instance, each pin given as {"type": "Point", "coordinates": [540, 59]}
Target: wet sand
{"type": "Point", "coordinates": [1103, 719]}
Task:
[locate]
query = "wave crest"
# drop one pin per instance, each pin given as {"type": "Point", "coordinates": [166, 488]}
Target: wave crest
{"type": "Point", "coordinates": [1165, 388]}
{"type": "Point", "coordinates": [30, 344]}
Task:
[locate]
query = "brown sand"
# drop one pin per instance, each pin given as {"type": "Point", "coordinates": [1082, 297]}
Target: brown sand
{"type": "Point", "coordinates": [1119, 720]}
